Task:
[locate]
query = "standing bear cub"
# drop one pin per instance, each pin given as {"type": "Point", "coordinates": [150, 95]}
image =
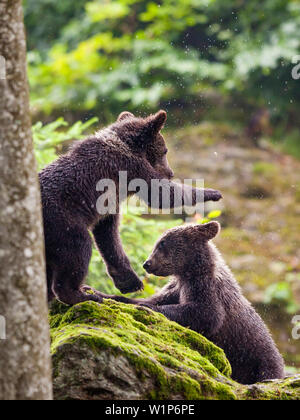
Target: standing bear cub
{"type": "Point", "coordinates": [69, 186]}
{"type": "Point", "coordinates": [205, 297]}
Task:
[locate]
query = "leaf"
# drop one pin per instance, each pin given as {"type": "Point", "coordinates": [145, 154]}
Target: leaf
{"type": "Point", "coordinates": [214, 214]}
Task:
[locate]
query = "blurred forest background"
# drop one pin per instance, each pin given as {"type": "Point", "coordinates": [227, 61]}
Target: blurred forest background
{"type": "Point", "coordinates": [228, 74]}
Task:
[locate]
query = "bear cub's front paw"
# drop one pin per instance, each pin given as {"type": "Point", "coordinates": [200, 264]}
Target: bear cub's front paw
{"type": "Point", "coordinates": [212, 195]}
{"type": "Point", "coordinates": [129, 283]}
{"type": "Point", "coordinates": [149, 306]}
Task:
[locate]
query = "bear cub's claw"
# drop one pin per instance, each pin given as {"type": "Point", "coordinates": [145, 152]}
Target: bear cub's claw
{"type": "Point", "coordinates": [148, 306]}
{"type": "Point", "coordinates": [212, 195]}
{"type": "Point", "coordinates": [129, 283]}
{"type": "Point", "coordinates": [148, 309]}
{"type": "Point", "coordinates": [130, 288]}
{"type": "Point", "coordinates": [95, 294]}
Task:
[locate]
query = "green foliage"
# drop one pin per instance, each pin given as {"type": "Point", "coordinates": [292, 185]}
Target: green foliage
{"type": "Point", "coordinates": [110, 55]}
{"type": "Point", "coordinates": [46, 19]}
{"type": "Point", "coordinates": [49, 139]}
{"type": "Point", "coordinates": [264, 168]}
{"type": "Point", "coordinates": [211, 215]}
{"type": "Point", "coordinates": [281, 293]}
{"type": "Point", "coordinates": [288, 142]}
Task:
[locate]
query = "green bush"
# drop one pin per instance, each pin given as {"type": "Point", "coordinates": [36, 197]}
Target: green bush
{"type": "Point", "coordinates": [281, 293]}
{"type": "Point", "coordinates": [49, 139]}
{"type": "Point", "coordinates": [108, 55]}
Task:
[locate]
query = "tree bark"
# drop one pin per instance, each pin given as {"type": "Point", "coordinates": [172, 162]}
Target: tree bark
{"type": "Point", "coordinates": [25, 370]}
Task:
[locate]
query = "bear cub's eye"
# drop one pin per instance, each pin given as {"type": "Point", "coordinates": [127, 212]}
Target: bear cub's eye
{"type": "Point", "coordinates": [162, 244]}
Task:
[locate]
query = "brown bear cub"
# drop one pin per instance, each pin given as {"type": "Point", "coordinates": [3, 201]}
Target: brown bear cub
{"type": "Point", "coordinates": [205, 297]}
{"type": "Point", "coordinates": [131, 145]}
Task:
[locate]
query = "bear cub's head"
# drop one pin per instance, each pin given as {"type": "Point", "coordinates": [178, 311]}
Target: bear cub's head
{"type": "Point", "coordinates": [180, 247]}
{"type": "Point", "coordinates": [143, 136]}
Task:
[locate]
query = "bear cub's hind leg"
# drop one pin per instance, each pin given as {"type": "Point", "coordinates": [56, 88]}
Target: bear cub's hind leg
{"type": "Point", "coordinates": [71, 269]}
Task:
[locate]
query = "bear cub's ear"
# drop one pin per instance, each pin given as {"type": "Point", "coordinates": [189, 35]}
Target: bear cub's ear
{"type": "Point", "coordinates": [125, 115]}
{"type": "Point", "coordinates": [155, 122]}
{"type": "Point", "coordinates": [209, 230]}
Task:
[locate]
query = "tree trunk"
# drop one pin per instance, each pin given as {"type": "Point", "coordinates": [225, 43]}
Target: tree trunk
{"type": "Point", "coordinates": [25, 371]}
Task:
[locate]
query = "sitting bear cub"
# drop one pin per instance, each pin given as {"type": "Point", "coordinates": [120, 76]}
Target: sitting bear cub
{"type": "Point", "coordinates": [205, 297]}
{"type": "Point", "coordinates": [131, 145]}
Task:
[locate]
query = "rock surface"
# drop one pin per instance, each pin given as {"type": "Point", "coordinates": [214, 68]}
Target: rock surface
{"type": "Point", "coordinates": [116, 351]}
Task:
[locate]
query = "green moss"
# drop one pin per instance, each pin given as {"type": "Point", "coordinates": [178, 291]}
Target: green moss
{"type": "Point", "coordinates": [176, 362]}
{"type": "Point", "coordinates": [264, 168]}
{"type": "Point", "coordinates": [286, 389]}
{"type": "Point", "coordinates": [151, 343]}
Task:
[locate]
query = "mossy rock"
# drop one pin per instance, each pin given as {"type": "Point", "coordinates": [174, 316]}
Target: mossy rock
{"type": "Point", "coordinates": [117, 351]}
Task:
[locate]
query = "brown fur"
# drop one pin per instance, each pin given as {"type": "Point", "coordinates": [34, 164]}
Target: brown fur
{"type": "Point", "coordinates": [69, 196]}
{"type": "Point", "coordinates": [205, 297]}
